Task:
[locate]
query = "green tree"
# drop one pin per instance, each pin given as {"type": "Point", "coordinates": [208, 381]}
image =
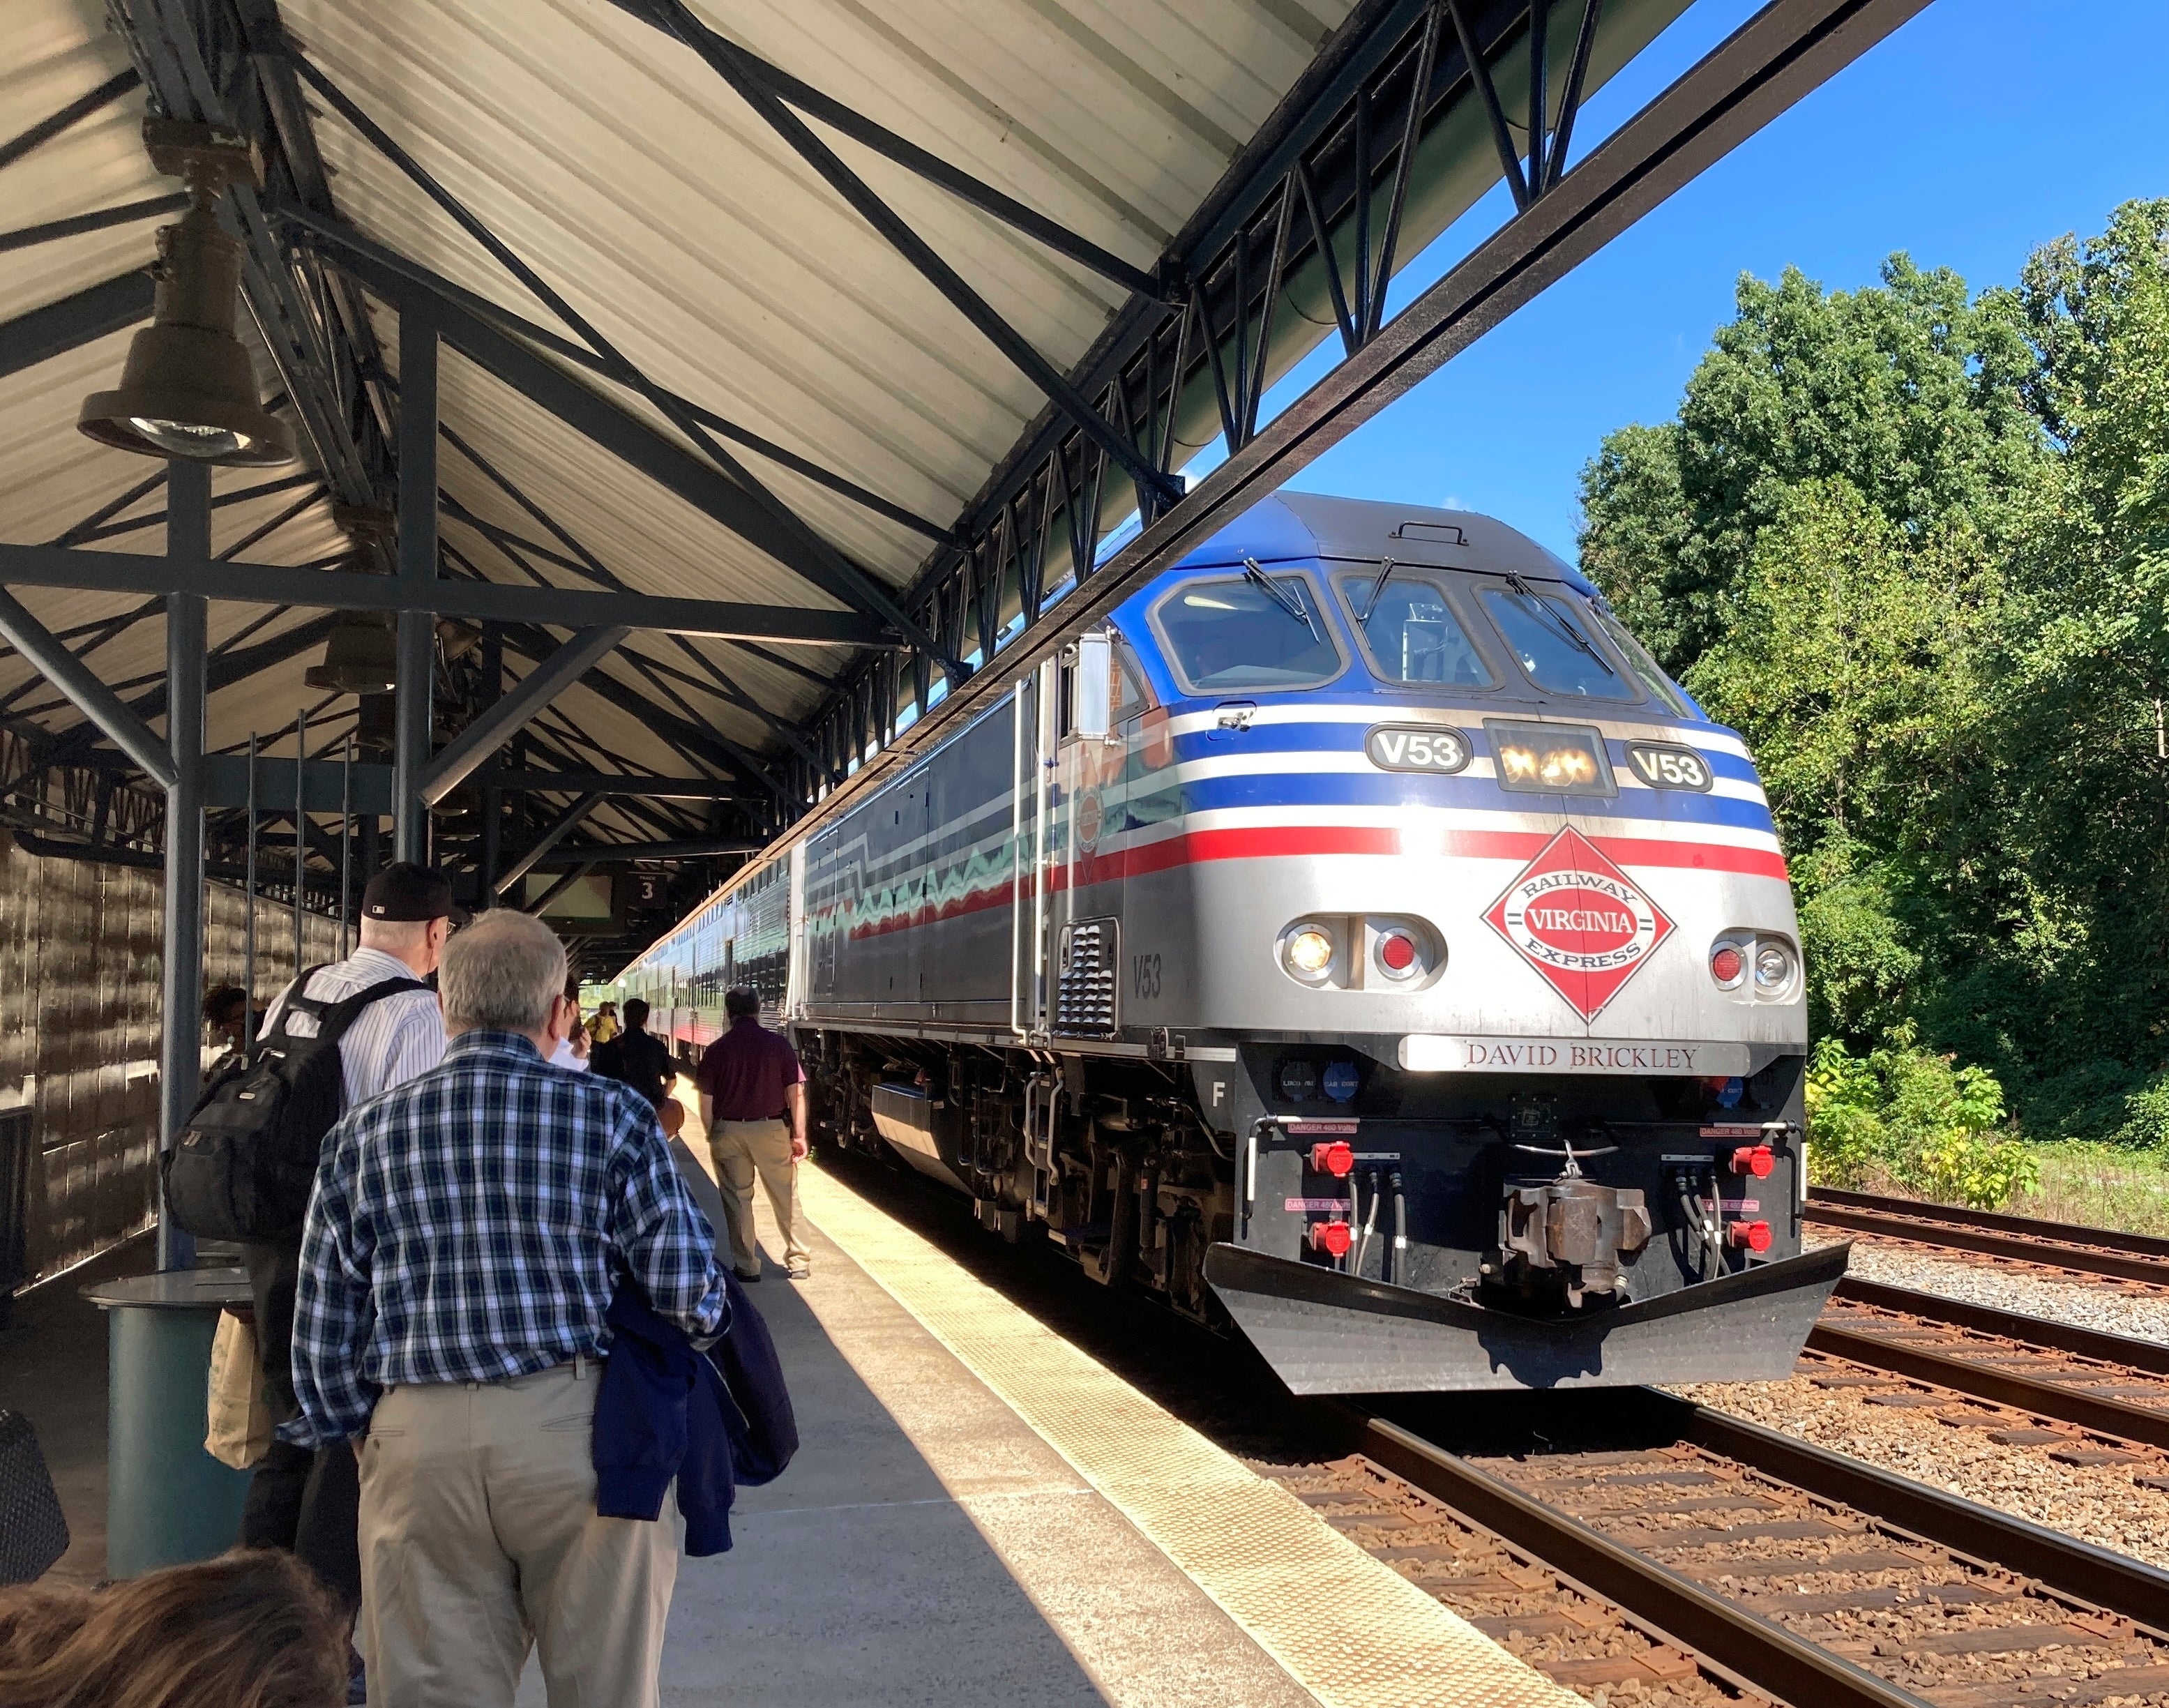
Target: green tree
{"type": "Point", "coordinates": [1912, 392]}
{"type": "Point", "coordinates": [1914, 544]}
{"type": "Point", "coordinates": [1849, 657]}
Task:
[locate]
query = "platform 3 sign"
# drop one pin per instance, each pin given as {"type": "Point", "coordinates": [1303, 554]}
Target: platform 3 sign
{"type": "Point", "coordinates": [1436, 1053]}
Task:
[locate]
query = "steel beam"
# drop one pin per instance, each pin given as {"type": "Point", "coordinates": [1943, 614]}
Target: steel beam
{"type": "Point", "coordinates": [725, 60]}
{"type": "Point", "coordinates": [509, 712]}
{"type": "Point", "coordinates": [103, 219]}
{"type": "Point", "coordinates": [814, 556]}
{"type": "Point", "coordinates": [60, 327]}
{"type": "Point", "coordinates": [89, 533]}
{"type": "Point", "coordinates": [75, 679]}
{"type": "Point", "coordinates": [337, 241]}
{"type": "Point", "coordinates": [1785, 51]}
{"type": "Point", "coordinates": [916, 160]}
{"type": "Point", "coordinates": [605, 853]}
{"type": "Point", "coordinates": [180, 1052]}
{"type": "Point", "coordinates": [111, 90]}
{"type": "Point", "coordinates": [488, 602]}
{"type": "Point", "coordinates": [533, 780]}
{"type": "Point", "coordinates": [554, 833]}
{"type": "Point", "coordinates": [416, 640]}
{"type": "Point", "coordinates": [225, 784]}
{"type": "Point", "coordinates": [617, 430]}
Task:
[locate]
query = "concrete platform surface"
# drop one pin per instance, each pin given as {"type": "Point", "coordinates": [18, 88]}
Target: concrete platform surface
{"type": "Point", "coordinates": [926, 1546]}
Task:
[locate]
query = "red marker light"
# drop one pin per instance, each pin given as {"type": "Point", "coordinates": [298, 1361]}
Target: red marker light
{"type": "Point", "coordinates": [1754, 1236]}
{"type": "Point", "coordinates": [1757, 1159]}
{"type": "Point", "coordinates": [1396, 952]}
{"type": "Point", "coordinates": [1726, 965]}
{"type": "Point", "coordinates": [1334, 1238]}
{"type": "Point", "coordinates": [1335, 1159]}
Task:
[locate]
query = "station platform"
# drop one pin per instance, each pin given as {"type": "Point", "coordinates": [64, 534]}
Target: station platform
{"type": "Point", "coordinates": [982, 1511]}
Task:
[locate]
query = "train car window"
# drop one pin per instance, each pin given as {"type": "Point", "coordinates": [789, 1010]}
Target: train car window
{"type": "Point", "coordinates": [1644, 666]}
{"type": "Point", "coordinates": [1554, 641]}
{"type": "Point", "coordinates": [1407, 630]}
{"type": "Point", "coordinates": [1255, 631]}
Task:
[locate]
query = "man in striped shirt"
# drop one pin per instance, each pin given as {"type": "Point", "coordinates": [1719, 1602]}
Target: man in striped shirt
{"type": "Point", "coordinates": [298, 1499]}
{"type": "Point", "coordinates": [463, 1243]}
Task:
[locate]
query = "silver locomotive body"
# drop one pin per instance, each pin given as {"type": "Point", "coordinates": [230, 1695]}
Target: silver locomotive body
{"type": "Point", "coordinates": [1359, 937]}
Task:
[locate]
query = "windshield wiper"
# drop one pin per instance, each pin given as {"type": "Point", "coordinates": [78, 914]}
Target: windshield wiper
{"type": "Point", "coordinates": [1386, 567]}
{"type": "Point", "coordinates": [1558, 624]}
{"type": "Point", "coordinates": [1292, 603]}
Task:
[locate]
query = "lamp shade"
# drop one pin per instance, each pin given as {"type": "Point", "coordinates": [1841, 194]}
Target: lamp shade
{"type": "Point", "coordinates": [189, 389]}
{"type": "Point", "coordinates": [360, 657]}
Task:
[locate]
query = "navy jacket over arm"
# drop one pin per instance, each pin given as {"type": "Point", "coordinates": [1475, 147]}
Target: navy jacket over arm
{"type": "Point", "coordinates": [661, 1415]}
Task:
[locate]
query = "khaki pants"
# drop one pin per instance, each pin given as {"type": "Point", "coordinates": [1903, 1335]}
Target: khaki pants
{"type": "Point", "coordinates": [742, 1150]}
{"type": "Point", "coordinates": [479, 1533]}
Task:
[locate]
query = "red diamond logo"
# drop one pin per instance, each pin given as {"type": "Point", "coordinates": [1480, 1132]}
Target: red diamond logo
{"type": "Point", "coordinates": [1579, 921]}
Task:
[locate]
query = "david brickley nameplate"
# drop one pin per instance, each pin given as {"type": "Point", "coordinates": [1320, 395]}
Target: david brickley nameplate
{"type": "Point", "coordinates": [1435, 1052]}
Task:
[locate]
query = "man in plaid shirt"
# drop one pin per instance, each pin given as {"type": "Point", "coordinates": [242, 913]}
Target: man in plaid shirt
{"type": "Point", "coordinates": [466, 1235]}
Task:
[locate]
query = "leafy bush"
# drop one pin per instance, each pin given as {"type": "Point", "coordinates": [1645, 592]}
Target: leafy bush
{"type": "Point", "coordinates": [2146, 1116]}
{"type": "Point", "coordinates": [1934, 1128]}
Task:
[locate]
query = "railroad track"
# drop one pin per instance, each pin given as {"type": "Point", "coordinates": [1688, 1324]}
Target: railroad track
{"type": "Point", "coordinates": [2138, 1257]}
{"type": "Point", "coordinates": [1712, 1560]}
{"type": "Point", "coordinates": [2108, 1384]}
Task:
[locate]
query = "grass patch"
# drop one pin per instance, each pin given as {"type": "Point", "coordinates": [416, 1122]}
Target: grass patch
{"type": "Point", "coordinates": [2101, 1186]}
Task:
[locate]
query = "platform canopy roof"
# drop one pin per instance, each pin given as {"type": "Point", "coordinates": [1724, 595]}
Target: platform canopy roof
{"type": "Point", "coordinates": [887, 314]}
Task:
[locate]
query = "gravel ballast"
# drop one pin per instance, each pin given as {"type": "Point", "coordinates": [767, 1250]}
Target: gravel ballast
{"type": "Point", "coordinates": [2098, 1303]}
{"type": "Point", "coordinates": [2102, 1504]}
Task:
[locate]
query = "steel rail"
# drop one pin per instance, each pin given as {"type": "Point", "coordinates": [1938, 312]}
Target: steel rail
{"type": "Point", "coordinates": [2110, 1239]}
{"type": "Point", "coordinates": [2148, 1355]}
{"type": "Point", "coordinates": [1727, 1632]}
{"type": "Point", "coordinates": [2047, 1247]}
{"type": "Point", "coordinates": [2006, 1387]}
{"type": "Point", "coordinates": [2064, 1564]}
{"type": "Point", "coordinates": [1742, 1641]}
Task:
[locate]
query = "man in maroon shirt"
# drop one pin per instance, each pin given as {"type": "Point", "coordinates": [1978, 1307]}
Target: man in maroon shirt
{"type": "Point", "coordinates": [753, 1103]}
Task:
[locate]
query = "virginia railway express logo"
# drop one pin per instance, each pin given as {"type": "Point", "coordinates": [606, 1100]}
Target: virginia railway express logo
{"type": "Point", "coordinates": [1579, 921]}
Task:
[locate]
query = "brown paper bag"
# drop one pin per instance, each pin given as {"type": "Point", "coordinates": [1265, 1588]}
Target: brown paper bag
{"type": "Point", "coordinates": [239, 1423]}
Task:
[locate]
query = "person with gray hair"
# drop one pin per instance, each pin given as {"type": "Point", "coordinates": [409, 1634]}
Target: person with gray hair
{"type": "Point", "coordinates": [462, 1246]}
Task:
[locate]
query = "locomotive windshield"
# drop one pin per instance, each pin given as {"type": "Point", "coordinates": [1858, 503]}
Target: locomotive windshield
{"type": "Point", "coordinates": [1555, 643]}
{"type": "Point", "coordinates": [1643, 665]}
{"type": "Point", "coordinates": [1408, 629]}
{"type": "Point", "coordinates": [1255, 631]}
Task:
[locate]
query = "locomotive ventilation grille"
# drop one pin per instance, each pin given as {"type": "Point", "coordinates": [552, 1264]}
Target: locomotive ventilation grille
{"type": "Point", "coordinates": [1084, 988]}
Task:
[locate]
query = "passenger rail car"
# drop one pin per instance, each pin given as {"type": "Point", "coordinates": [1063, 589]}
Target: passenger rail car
{"type": "Point", "coordinates": [1358, 937]}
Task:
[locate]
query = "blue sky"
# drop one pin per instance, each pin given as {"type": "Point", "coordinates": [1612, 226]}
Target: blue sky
{"type": "Point", "coordinates": [1979, 130]}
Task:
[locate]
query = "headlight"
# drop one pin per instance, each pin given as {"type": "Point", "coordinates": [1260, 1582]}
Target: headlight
{"type": "Point", "coordinates": [1564, 759]}
{"type": "Point", "coordinates": [1308, 951]}
{"type": "Point", "coordinates": [1773, 967]}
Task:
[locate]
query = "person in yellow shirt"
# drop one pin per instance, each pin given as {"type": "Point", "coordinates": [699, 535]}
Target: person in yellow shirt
{"type": "Point", "coordinates": [605, 1027]}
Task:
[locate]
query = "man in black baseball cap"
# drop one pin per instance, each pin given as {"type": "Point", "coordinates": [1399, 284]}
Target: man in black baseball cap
{"type": "Point", "coordinates": [407, 893]}
{"type": "Point", "coordinates": [300, 1500]}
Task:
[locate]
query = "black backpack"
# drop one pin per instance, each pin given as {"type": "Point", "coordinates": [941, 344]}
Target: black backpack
{"type": "Point", "coordinates": [242, 1167]}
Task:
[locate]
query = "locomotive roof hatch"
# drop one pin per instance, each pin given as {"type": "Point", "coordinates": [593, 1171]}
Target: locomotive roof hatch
{"type": "Point", "coordinates": [1302, 525]}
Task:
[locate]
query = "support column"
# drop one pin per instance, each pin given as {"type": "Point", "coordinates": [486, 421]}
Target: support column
{"type": "Point", "coordinates": [180, 1053]}
{"type": "Point", "coordinates": [492, 800]}
{"type": "Point", "coordinates": [417, 567]}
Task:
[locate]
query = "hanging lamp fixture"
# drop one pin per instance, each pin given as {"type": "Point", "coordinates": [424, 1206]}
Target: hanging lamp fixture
{"type": "Point", "coordinates": [187, 390]}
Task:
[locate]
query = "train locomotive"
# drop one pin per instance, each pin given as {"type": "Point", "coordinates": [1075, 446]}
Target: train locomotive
{"type": "Point", "coordinates": [1357, 940]}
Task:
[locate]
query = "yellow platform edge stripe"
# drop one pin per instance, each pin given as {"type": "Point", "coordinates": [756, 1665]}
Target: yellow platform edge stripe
{"type": "Point", "coordinates": [1348, 1628]}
